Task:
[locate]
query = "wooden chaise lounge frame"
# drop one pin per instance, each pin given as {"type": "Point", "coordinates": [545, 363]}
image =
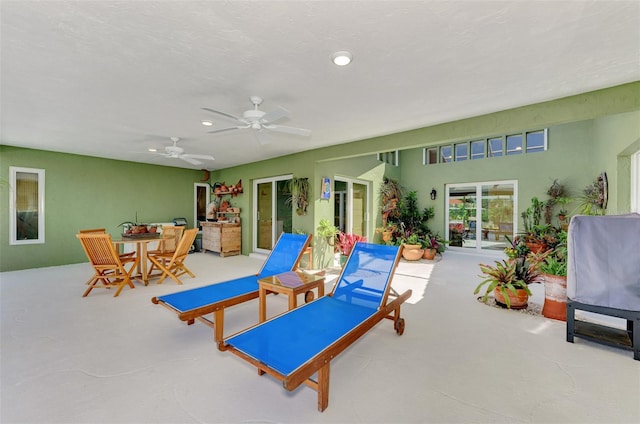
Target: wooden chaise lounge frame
{"type": "Point", "coordinates": [211, 299]}
{"type": "Point", "coordinates": [266, 345]}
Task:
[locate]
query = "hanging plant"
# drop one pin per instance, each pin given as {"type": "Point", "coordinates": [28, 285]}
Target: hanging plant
{"type": "Point", "coordinates": [299, 189]}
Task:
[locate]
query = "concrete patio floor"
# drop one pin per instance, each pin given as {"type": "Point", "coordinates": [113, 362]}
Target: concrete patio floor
{"type": "Point", "coordinates": [99, 359]}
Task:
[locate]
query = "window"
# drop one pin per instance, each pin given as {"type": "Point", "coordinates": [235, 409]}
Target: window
{"type": "Point", "coordinates": [514, 144]}
{"type": "Point", "coordinates": [26, 216]}
{"type": "Point", "coordinates": [389, 157]}
{"type": "Point", "coordinates": [445, 154]}
{"type": "Point", "coordinates": [490, 147]}
{"type": "Point", "coordinates": [461, 152]}
{"type": "Point", "coordinates": [430, 156]}
{"type": "Point", "coordinates": [536, 141]}
{"type": "Point", "coordinates": [495, 147]}
{"type": "Point", "coordinates": [477, 149]}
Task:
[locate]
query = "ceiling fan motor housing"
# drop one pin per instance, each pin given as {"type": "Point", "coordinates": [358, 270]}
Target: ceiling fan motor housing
{"type": "Point", "coordinates": [254, 116]}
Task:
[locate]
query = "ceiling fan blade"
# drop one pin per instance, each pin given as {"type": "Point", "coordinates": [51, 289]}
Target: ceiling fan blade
{"type": "Point", "coordinates": [195, 156]}
{"type": "Point", "coordinates": [191, 161]}
{"type": "Point", "coordinates": [226, 129]}
{"type": "Point", "coordinates": [275, 115]}
{"type": "Point", "coordinates": [289, 130]}
{"type": "Point", "coordinates": [226, 115]}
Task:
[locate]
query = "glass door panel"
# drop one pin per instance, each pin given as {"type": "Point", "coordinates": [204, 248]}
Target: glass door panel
{"type": "Point", "coordinates": [272, 212]}
{"type": "Point", "coordinates": [264, 216]}
{"type": "Point", "coordinates": [359, 209]}
{"type": "Point", "coordinates": [350, 206]}
{"type": "Point", "coordinates": [498, 221]}
{"type": "Point", "coordinates": [481, 215]}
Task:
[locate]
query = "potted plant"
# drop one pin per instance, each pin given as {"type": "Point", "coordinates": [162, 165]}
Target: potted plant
{"type": "Point", "coordinates": [387, 231]}
{"type": "Point", "coordinates": [390, 194]}
{"type": "Point", "coordinates": [509, 279]}
{"type": "Point", "coordinates": [554, 273]}
{"type": "Point", "coordinates": [345, 243]}
{"type": "Point", "coordinates": [432, 245]}
{"type": "Point", "coordinates": [326, 237]}
{"type": "Point", "coordinates": [412, 250]}
{"type": "Point", "coordinates": [299, 191]}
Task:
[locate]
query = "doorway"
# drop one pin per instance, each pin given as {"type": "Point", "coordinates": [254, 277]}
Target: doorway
{"type": "Point", "coordinates": [481, 215]}
{"type": "Point", "coordinates": [201, 199]}
{"type": "Point", "coordinates": [351, 205]}
{"type": "Point", "coordinates": [271, 211]}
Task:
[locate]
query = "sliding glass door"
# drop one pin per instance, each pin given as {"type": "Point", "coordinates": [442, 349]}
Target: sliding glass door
{"type": "Point", "coordinates": [481, 215]}
{"type": "Point", "coordinates": [351, 200]}
{"type": "Point", "coordinates": [272, 213]}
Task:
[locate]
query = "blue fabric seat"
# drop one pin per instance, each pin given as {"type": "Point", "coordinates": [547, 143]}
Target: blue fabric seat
{"type": "Point", "coordinates": [196, 303]}
{"type": "Point", "coordinates": [302, 342]}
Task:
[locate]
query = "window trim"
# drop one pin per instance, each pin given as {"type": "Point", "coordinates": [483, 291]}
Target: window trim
{"type": "Point", "coordinates": [13, 171]}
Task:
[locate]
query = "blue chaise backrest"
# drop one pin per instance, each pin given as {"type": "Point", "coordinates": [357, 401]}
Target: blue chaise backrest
{"type": "Point", "coordinates": [366, 274]}
{"type": "Point", "coordinates": [284, 255]}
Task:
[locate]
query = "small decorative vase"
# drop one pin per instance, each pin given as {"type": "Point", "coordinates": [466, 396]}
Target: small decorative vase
{"type": "Point", "coordinates": [429, 254]}
{"type": "Point", "coordinates": [519, 300]}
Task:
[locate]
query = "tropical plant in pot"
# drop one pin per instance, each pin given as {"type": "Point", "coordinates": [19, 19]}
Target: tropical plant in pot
{"type": "Point", "coordinates": [345, 243]}
{"type": "Point", "coordinates": [509, 279]}
{"type": "Point", "coordinates": [554, 273]}
{"type": "Point", "coordinates": [432, 245]}
{"type": "Point", "coordinates": [412, 247]}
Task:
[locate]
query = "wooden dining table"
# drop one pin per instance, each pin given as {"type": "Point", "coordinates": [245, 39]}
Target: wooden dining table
{"type": "Point", "coordinates": [141, 242]}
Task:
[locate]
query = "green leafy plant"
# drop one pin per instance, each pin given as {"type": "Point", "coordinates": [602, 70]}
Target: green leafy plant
{"type": "Point", "coordinates": [299, 190]}
{"type": "Point", "coordinates": [511, 274]}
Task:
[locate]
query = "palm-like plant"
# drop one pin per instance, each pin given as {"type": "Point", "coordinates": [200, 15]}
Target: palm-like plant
{"type": "Point", "coordinates": [511, 274]}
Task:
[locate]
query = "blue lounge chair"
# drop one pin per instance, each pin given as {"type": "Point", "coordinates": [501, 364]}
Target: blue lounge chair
{"type": "Point", "coordinates": [294, 346]}
{"type": "Point", "coordinates": [214, 298]}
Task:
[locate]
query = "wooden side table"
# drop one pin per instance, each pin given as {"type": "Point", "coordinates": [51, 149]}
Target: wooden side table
{"type": "Point", "coordinates": [291, 284]}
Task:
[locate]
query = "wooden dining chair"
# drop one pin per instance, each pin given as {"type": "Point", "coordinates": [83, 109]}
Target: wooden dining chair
{"type": "Point", "coordinates": [104, 231]}
{"type": "Point", "coordinates": [172, 264]}
{"type": "Point", "coordinates": [166, 245]}
{"type": "Point", "coordinates": [109, 267]}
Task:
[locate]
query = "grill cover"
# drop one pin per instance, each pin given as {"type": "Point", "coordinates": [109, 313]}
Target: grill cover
{"type": "Point", "coordinates": [604, 261]}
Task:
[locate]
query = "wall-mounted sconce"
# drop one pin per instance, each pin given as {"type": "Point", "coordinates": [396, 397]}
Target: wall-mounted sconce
{"type": "Point", "coordinates": [434, 193]}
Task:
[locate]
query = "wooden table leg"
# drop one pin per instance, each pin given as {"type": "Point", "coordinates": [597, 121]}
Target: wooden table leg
{"type": "Point", "coordinates": [293, 301]}
{"type": "Point", "coordinates": [321, 288]}
{"type": "Point", "coordinates": [262, 316]}
{"type": "Point", "coordinates": [142, 251]}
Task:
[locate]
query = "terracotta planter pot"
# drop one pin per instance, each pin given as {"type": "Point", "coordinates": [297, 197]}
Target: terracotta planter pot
{"type": "Point", "coordinates": [412, 252]}
{"type": "Point", "coordinates": [429, 254]}
{"type": "Point", "coordinates": [555, 297]}
{"type": "Point", "coordinates": [537, 247]}
{"type": "Point", "coordinates": [519, 300]}
{"type": "Point", "coordinates": [386, 235]}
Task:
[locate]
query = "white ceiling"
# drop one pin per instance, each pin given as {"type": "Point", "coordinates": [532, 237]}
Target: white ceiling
{"type": "Point", "coordinates": [113, 78]}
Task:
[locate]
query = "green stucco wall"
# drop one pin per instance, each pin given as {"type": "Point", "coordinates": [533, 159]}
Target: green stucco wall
{"type": "Point", "coordinates": [87, 192]}
{"type": "Point", "coordinates": [588, 133]}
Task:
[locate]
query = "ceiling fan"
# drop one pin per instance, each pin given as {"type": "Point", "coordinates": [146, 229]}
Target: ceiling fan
{"type": "Point", "coordinates": [178, 153]}
{"type": "Point", "coordinates": [258, 121]}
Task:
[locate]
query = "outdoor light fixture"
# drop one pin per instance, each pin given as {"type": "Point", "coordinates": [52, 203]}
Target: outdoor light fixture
{"type": "Point", "coordinates": [342, 58]}
{"type": "Point", "coordinates": [434, 193]}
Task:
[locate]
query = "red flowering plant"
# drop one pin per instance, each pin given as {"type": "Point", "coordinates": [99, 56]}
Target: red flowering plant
{"type": "Point", "coordinates": [346, 241]}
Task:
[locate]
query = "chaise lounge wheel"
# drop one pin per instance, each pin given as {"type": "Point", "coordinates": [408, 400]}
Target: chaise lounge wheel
{"type": "Point", "coordinates": [308, 296]}
{"type": "Point", "coordinates": [399, 326]}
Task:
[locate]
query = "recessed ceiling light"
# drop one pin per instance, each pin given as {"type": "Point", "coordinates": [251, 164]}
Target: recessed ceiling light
{"type": "Point", "coordinates": [151, 149]}
{"type": "Point", "coordinates": [342, 58]}
{"type": "Point", "coordinates": [207, 123]}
